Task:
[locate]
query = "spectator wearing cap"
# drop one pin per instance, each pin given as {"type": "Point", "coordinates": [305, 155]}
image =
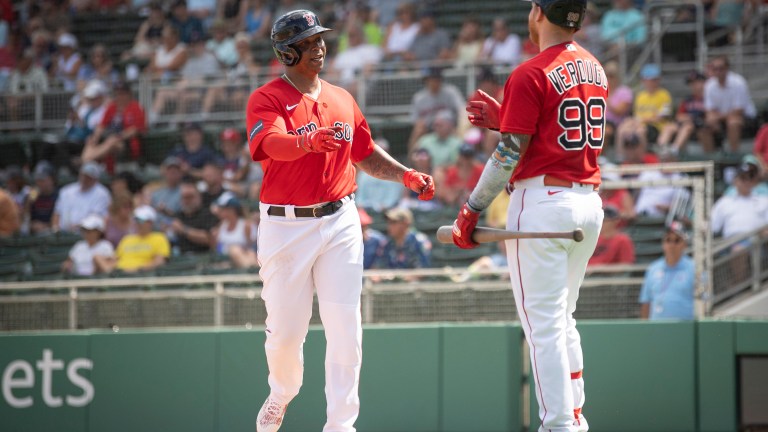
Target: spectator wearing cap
{"type": "Point", "coordinates": [469, 43]}
{"type": "Point", "coordinates": [68, 61]}
{"type": "Point", "coordinates": [170, 57]}
{"type": "Point", "coordinates": [691, 117]}
{"type": "Point", "coordinates": [761, 188]}
{"type": "Point", "coordinates": [728, 103]}
{"type": "Point", "coordinates": [458, 180]}
{"type": "Point", "coordinates": [99, 66]}
{"type": "Point", "coordinates": [743, 212]}
{"type": "Point", "coordinates": [119, 132]}
{"type": "Point", "coordinates": [234, 236]}
{"type": "Point", "coordinates": [80, 199]}
{"type": "Point", "coordinates": [652, 113]}
{"type": "Point", "coordinates": [669, 282]}
{"type": "Point", "coordinates": [9, 215]}
{"type": "Point", "coordinates": [436, 96]}
{"type": "Point", "coordinates": [373, 240]}
{"type": "Point", "coordinates": [82, 260]}
{"type": "Point", "coordinates": [166, 199]}
{"type": "Point", "coordinates": [212, 185]}
{"type": "Point", "coordinates": [144, 251]}
{"type": "Point", "coordinates": [193, 152]}
{"type": "Point", "coordinates": [42, 199]}
{"type": "Point", "coordinates": [88, 113]}
{"type": "Point", "coordinates": [431, 42]}
{"type": "Point", "coordinates": [502, 46]}
{"type": "Point", "coordinates": [401, 32]}
{"type": "Point", "coordinates": [192, 225]}
{"type": "Point", "coordinates": [406, 248]}
{"type": "Point", "coordinates": [443, 143]}
{"type": "Point", "coordinates": [613, 245]}
{"type": "Point", "coordinates": [187, 24]}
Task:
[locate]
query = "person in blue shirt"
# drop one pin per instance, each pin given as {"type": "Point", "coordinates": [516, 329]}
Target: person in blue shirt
{"type": "Point", "coordinates": [373, 240]}
{"type": "Point", "coordinates": [405, 248]}
{"type": "Point", "coordinates": [669, 283]}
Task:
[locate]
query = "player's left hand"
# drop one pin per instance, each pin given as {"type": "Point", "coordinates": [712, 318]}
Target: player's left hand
{"type": "Point", "coordinates": [483, 110]}
{"type": "Point", "coordinates": [464, 226]}
{"type": "Point", "coordinates": [420, 183]}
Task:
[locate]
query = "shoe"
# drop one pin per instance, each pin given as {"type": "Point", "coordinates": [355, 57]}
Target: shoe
{"type": "Point", "coordinates": [270, 416]}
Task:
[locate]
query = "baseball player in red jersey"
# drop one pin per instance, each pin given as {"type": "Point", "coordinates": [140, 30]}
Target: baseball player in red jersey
{"type": "Point", "coordinates": [551, 122]}
{"type": "Point", "coordinates": [308, 134]}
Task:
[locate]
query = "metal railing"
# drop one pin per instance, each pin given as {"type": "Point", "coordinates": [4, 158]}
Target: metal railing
{"type": "Point", "coordinates": [740, 264]}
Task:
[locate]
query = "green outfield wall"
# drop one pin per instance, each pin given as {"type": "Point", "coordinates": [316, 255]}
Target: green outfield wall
{"type": "Point", "coordinates": [639, 376]}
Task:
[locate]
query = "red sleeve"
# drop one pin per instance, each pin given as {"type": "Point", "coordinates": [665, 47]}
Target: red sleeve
{"type": "Point", "coordinates": [523, 96]}
{"type": "Point", "coordinates": [262, 118]}
{"type": "Point", "coordinates": [681, 108]}
{"type": "Point", "coordinates": [109, 114]}
{"type": "Point", "coordinates": [362, 144]}
{"type": "Point", "coordinates": [761, 141]}
{"type": "Point", "coordinates": [137, 119]}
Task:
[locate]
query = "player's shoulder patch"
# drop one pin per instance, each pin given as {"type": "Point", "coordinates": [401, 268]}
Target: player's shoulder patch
{"type": "Point", "coordinates": [256, 129]}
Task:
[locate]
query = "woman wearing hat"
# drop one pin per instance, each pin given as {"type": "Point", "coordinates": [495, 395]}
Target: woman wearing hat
{"type": "Point", "coordinates": [235, 236]}
{"type": "Point", "coordinates": [82, 257]}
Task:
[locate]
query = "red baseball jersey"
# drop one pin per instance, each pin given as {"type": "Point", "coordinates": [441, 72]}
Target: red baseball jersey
{"type": "Point", "coordinates": [277, 107]}
{"type": "Point", "coordinates": [559, 98]}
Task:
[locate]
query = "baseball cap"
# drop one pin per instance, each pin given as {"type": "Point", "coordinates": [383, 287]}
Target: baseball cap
{"type": "Point", "coordinates": [43, 170]}
{"type": "Point", "coordinates": [67, 40]}
{"type": "Point", "coordinates": [467, 150]}
{"type": "Point", "coordinates": [748, 170]}
{"type": "Point", "coordinates": [172, 161]}
{"type": "Point", "coordinates": [145, 213]}
{"type": "Point", "coordinates": [650, 71]}
{"type": "Point", "coordinates": [93, 222]}
{"type": "Point", "coordinates": [399, 214]}
{"type": "Point", "coordinates": [694, 75]}
{"type": "Point", "coordinates": [228, 199]}
{"type": "Point", "coordinates": [677, 228]}
{"type": "Point", "coordinates": [230, 134]}
{"type": "Point", "coordinates": [365, 218]}
{"type": "Point", "coordinates": [95, 88]}
{"type": "Point", "coordinates": [121, 86]}
{"type": "Point", "coordinates": [91, 169]}
{"type": "Point", "coordinates": [192, 126]}
{"type": "Point", "coordinates": [444, 115]}
{"type": "Point", "coordinates": [611, 212]}
{"type": "Point", "coordinates": [473, 136]}
{"type": "Point", "coordinates": [432, 72]}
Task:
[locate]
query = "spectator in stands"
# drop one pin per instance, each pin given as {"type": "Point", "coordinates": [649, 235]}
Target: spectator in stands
{"type": "Point", "coordinates": [406, 248]}
{"type": "Point", "coordinates": [149, 38]}
{"type": "Point", "coordinates": [16, 185]}
{"type": "Point", "coordinates": [443, 143]}
{"type": "Point", "coordinates": [68, 61]}
{"type": "Point", "coordinates": [502, 46]}
{"type": "Point", "coordinates": [433, 98]}
{"type": "Point", "coordinates": [691, 117]}
{"type": "Point", "coordinates": [257, 20]}
{"type": "Point", "coordinates": [232, 13]}
{"type": "Point", "coordinates": [234, 236]}
{"type": "Point", "coordinates": [761, 146]}
{"type": "Point", "coordinates": [234, 89]}
{"type": "Point", "coordinates": [119, 221]}
{"type": "Point", "coordinates": [636, 153]}
{"type": "Point", "coordinates": [82, 259]}
{"type": "Point", "coordinates": [656, 201]}
{"type": "Point", "coordinates": [373, 240]}
{"type": "Point", "coordinates": [188, 25]}
{"type": "Point", "coordinates": [620, 199]}
{"type": "Point", "coordinates": [363, 15]}
{"type": "Point", "coordinates": [401, 33]}
{"type": "Point", "coordinates": [421, 161]}
{"type": "Point", "coordinates": [43, 51]}
{"type": "Point", "coordinates": [193, 152]}
{"type": "Point", "coordinates": [761, 188]}
{"type": "Point", "coordinates": [613, 245]}
{"type": "Point", "coordinates": [120, 130]}
{"type": "Point", "coordinates": [203, 10]}
{"type": "Point", "coordinates": [213, 181]}
{"type": "Point", "coordinates": [724, 16]}
{"type": "Point", "coordinates": [356, 60]}
{"type": "Point", "coordinates": [88, 114]}
{"type": "Point", "coordinates": [169, 58]}
{"type": "Point", "coordinates": [144, 251]}
{"type": "Point", "coordinates": [728, 103]}
{"type": "Point", "coordinates": [652, 113]}
{"type": "Point", "coordinates": [669, 284]}
{"type": "Point", "coordinates": [235, 167]}
{"type": "Point", "coordinates": [167, 198]}
{"type": "Point", "coordinates": [494, 261]}
{"type": "Point", "coordinates": [192, 224]}
{"type": "Point", "coordinates": [431, 43]}
{"type": "Point", "coordinates": [99, 67]}
{"type": "Point", "coordinates": [468, 47]}
{"type": "Point", "coordinates": [24, 81]}
{"type": "Point", "coordinates": [9, 215]}
{"type": "Point", "coordinates": [285, 6]}
{"type": "Point", "coordinates": [376, 194]}
{"type": "Point", "coordinates": [623, 26]}
{"type": "Point", "coordinates": [80, 199]}
{"type": "Point", "coordinates": [222, 45]}
{"type": "Point", "coordinates": [619, 104]}
{"type": "Point", "coordinates": [590, 35]}
{"type": "Point", "coordinates": [459, 179]}
{"type": "Point", "coordinates": [42, 199]}
{"type": "Point", "coordinates": [127, 182]}
{"type": "Point", "coordinates": [744, 212]}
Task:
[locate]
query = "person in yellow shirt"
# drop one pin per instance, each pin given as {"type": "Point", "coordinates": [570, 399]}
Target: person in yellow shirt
{"type": "Point", "coordinates": [145, 250]}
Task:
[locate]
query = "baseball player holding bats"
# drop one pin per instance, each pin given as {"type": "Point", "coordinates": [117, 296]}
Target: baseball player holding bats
{"type": "Point", "coordinates": [551, 121]}
{"type": "Point", "coordinates": [308, 134]}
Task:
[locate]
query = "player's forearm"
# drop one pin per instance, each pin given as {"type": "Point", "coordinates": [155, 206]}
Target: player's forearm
{"type": "Point", "coordinates": [497, 171]}
{"type": "Point", "coordinates": [382, 166]}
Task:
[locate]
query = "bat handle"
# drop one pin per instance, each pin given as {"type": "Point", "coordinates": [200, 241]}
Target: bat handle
{"type": "Point", "coordinates": [578, 234]}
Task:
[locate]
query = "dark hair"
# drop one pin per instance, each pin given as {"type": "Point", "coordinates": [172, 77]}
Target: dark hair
{"type": "Point", "coordinates": [131, 181]}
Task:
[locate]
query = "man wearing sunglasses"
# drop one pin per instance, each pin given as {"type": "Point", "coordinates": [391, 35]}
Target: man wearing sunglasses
{"type": "Point", "coordinates": [668, 288]}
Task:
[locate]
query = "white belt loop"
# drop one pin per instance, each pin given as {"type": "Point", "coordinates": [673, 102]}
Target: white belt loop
{"type": "Point", "coordinates": [289, 213]}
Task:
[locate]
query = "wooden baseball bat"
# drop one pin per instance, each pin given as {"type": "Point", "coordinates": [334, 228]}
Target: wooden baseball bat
{"type": "Point", "coordinates": [487, 235]}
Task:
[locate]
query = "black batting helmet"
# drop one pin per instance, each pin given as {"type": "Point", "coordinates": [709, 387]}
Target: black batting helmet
{"type": "Point", "coordinates": [290, 28]}
{"type": "Point", "coordinates": [565, 13]}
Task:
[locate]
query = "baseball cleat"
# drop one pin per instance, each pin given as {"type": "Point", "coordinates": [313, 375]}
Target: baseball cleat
{"type": "Point", "coordinates": [270, 416]}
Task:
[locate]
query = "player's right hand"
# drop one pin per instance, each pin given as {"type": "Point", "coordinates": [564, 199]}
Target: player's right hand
{"type": "Point", "coordinates": [320, 140]}
{"type": "Point", "coordinates": [464, 226]}
{"type": "Point", "coordinates": [483, 110]}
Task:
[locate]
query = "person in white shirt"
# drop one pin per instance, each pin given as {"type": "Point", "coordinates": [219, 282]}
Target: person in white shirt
{"type": "Point", "coordinates": [78, 200]}
{"type": "Point", "coordinates": [656, 201]}
{"type": "Point", "coordinates": [81, 260]}
{"type": "Point", "coordinates": [357, 59]}
{"type": "Point", "coordinates": [743, 212]}
{"type": "Point", "coordinates": [727, 102]}
{"type": "Point", "coordinates": [501, 46]}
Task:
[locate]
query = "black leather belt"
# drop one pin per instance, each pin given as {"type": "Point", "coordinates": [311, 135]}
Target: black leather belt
{"type": "Point", "coordinates": [310, 212]}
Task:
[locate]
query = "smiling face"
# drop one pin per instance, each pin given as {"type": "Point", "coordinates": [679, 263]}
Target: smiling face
{"type": "Point", "coordinates": [313, 52]}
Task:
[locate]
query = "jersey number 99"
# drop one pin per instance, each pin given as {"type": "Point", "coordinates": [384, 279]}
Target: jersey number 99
{"type": "Point", "coordinates": [582, 123]}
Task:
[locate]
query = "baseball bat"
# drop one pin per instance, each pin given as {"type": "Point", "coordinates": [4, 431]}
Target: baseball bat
{"type": "Point", "coordinates": [487, 235]}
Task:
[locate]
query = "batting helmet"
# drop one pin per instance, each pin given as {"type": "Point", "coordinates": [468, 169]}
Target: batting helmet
{"type": "Point", "coordinates": [290, 28]}
{"type": "Point", "coordinates": [565, 13]}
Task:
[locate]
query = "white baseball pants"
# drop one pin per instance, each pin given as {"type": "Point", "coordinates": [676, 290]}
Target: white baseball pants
{"type": "Point", "coordinates": [299, 256]}
{"type": "Point", "coordinates": [546, 275]}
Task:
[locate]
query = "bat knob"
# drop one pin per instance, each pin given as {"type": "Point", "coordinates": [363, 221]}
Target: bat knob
{"type": "Point", "coordinates": [578, 234]}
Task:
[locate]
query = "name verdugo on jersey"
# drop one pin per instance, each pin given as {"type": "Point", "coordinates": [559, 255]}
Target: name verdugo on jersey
{"type": "Point", "coordinates": [572, 73]}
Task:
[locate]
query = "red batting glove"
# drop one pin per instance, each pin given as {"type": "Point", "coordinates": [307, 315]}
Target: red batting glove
{"type": "Point", "coordinates": [319, 140]}
{"type": "Point", "coordinates": [483, 110]}
{"type": "Point", "coordinates": [464, 226]}
{"type": "Point", "coordinates": [421, 183]}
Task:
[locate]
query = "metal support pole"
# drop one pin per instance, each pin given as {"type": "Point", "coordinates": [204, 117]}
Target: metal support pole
{"type": "Point", "coordinates": [72, 308]}
{"type": "Point", "coordinates": [755, 256]}
{"type": "Point", "coordinates": [367, 300]}
{"type": "Point", "coordinates": [703, 297]}
{"type": "Point", "coordinates": [218, 304]}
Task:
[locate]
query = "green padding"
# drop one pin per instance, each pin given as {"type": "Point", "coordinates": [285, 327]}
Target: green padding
{"type": "Point", "coordinates": [717, 376]}
{"type": "Point", "coordinates": [64, 348]}
{"type": "Point", "coordinates": [481, 378]}
{"type": "Point", "coordinates": [242, 379]}
{"type": "Point", "coordinates": [752, 337]}
{"type": "Point", "coordinates": [154, 382]}
{"type": "Point", "coordinates": [400, 380]}
{"type": "Point", "coordinates": [639, 376]}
